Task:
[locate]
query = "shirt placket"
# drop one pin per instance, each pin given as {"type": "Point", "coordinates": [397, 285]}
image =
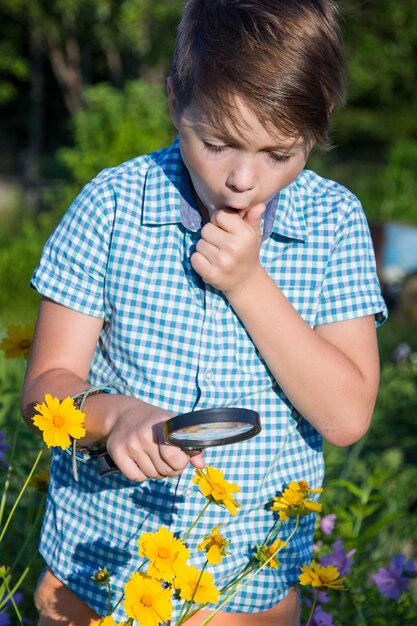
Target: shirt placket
{"type": "Point", "coordinates": [209, 383]}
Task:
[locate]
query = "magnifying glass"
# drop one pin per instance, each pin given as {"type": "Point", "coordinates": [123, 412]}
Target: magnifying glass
{"type": "Point", "coordinates": [197, 430]}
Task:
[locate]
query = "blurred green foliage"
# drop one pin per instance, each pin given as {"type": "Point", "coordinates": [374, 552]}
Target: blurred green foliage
{"type": "Point", "coordinates": [115, 126]}
{"type": "Point", "coordinates": [19, 256]}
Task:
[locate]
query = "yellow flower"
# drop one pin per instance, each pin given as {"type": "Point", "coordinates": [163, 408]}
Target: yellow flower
{"type": "Point", "coordinates": [40, 481]}
{"type": "Point", "coordinates": [318, 576]}
{"type": "Point", "coordinates": [59, 421]}
{"type": "Point", "coordinates": [147, 601]}
{"type": "Point", "coordinates": [102, 576]}
{"type": "Point", "coordinates": [197, 585]}
{"type": "Point", "coordinates": [167, 554]}
{"type": "Point", "coordinates": [293, 501]}
{"type": "Point", "coordinates": [215, 545]}
{"type": "Point", "coordinates": [215, 488]}
{"type": "Point", "coordinates": [18, 341]}
{"type": "Point", "coordinates": [303, 485]}
{"type": "Point", "coordinates": [265, 552]}
{"type": "Point", "coordinates": [104, 621]}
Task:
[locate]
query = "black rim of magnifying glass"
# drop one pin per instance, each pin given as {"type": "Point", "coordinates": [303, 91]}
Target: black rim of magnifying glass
{"type": "Point", "coordinates": [211, 416]}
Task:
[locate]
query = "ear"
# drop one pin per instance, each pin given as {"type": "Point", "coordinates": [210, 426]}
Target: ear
{"type": "Point", "coordinates": [172, 102]}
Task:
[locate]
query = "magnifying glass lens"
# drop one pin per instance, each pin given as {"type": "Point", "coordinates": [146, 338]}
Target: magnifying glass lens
{"type": "Point", "coordinates": [210, 432]}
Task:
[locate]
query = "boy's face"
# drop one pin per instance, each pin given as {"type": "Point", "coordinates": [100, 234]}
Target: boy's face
{"type": "Point", "coordinates": [235, 169]}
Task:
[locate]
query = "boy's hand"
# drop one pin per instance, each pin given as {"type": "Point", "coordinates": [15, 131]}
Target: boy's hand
{"type": "Point", "coordinates": [136, 444]}
{"type": "Point", "coordinates": [227, 255]}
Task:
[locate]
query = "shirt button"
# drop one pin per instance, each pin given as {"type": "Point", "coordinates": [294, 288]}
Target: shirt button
{"type": "Point", "coordinates": [188, 492]}
{"type": "Point", "coordinates": [209, 374]}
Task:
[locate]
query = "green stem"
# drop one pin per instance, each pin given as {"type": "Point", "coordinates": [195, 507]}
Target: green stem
{"type": "Point", "coordinates": [9, 471]}
{"type": "Point", "coordinates": [5, 490]}
{"type": "Point", "coordinates": [19, 582]}
{"type": "Point", "coordinates": [359, 611]}
{"type": "Point", "coordinates": [274, 530]}
{"type": "Point", "coordinates": [12, 600]}
{"type": "Point", "coordinates": [199, 516]}
{"type": "Point", "coordinates": [184, 610]}
{"type": "Point", "coordinates": [245, 572]}
{"type": "Point", "coordinates": [19, 497]}
{"type": "Point", "coordinates": [123, 594]}
{"type": "Point", "coordinates": [313, 607]}
{"type": "Point", "coordinates": [183, 616]}
{"type": "Point", "coordinates": [28, 537]}
{"type": "Point", "coordinates": [248, 580]}
{"type": "Point", "coordinates": [108, 598]}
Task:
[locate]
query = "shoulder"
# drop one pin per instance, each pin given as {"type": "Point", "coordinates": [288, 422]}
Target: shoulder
{"type": "Point", "coordinates": [326, 202]}
{"type": "Point", "coordinates": [129, 177]}
{"type": "Point", "coordinates": [120, 191]}
{"type": "Point", "coordinates": [323, 192]}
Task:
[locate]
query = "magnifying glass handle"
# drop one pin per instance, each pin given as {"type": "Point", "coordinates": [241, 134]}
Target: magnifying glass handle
{"type": "Point", "coordinates": [106, 466]}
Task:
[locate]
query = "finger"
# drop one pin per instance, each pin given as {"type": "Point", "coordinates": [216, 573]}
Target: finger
{"type": "Point", "coordinates": [173, 457]}
{"type": "Point", "coordinates": [210, 251]}
{"type": "Point", "coordinates": [201, 265]}
{"type": "Point", "coordinates": [214, 235]}
{"type": "Point", "coordinates": [153, 466]}
{"type": "Point", "coordinates": [129, 468]}
{"type": "Point", "coordinates": [226, 219]}
{"type": "Point", "coordinates": [197, 460]}
{"type": "Point", "coordinates": [254, 217]}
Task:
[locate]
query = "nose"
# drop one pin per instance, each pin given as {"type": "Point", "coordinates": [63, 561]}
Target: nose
{"type": "Point", "coordinates": [241, 176]}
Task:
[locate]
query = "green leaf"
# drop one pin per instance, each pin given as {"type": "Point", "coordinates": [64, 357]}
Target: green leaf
{"type": "Point", "coordinates": [349, 485]}
{"type": "Point", "coordinates": [375, 528]}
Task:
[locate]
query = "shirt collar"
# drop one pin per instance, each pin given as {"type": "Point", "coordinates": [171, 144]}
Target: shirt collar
{"type": "Point", "coordinates": [168, 199]}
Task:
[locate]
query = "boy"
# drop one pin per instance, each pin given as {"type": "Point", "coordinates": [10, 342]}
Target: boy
{"type": "Point", "coordinates": [213, 273]}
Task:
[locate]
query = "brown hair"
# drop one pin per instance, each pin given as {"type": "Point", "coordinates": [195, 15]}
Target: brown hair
{"type": "Point", "coordinates": [282, 57]}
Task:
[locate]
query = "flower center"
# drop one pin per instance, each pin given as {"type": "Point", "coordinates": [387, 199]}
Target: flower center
{"type": "Point", "coordinates": [218, 540]}
{"type": "Point", "coordinates": [163, 553]}
{"type": "Point", "coordinates": [58, 421]}
{"type": "Point", "coordinates": [146, 599]}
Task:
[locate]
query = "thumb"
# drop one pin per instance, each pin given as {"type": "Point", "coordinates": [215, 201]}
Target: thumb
{"type": "Point", "coordinates": [254, 216]}
{"type": "Point", "coordinates": [197, 459]}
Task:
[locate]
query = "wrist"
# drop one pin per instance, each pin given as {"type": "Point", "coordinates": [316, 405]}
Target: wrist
{"type": "Point", "coordinates": [247, 286]}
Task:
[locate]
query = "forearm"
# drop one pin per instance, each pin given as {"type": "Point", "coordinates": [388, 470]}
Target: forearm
{"type": "Point", "coordinates": [101, 410]}
{"type": "Point", "coordinates": [319, 379]}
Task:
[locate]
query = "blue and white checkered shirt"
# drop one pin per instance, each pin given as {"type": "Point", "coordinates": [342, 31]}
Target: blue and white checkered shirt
{"type": "Point", "coordinates": [122, 253]}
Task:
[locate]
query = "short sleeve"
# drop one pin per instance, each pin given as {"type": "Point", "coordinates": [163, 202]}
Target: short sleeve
{"type": "Point", "coordinates": [72, 268]}
{"type": "Point", "coordinates": [351, 288]}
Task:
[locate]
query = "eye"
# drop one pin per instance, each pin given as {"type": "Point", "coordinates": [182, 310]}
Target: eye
{"type": "Point", "coordinates": [279, 158]}
{"type": "Point", "coordinates": [214, 147]}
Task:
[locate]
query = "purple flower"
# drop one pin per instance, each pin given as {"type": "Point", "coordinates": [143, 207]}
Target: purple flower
{"type": "Point", "coordinates": [339, 558]}
{"type": "Point", "coordinates": [5, 619]}
{"type": "Point", "coordinates": [321, 618]}
{"type": "Point", "coordinates": [401, 353]}
{"type": "Point", "coordinates": [3, 449]}
{"type": "Point", "coordinates": [327, 523]}
{"type": "Point", "coordinates": [322, 597]}
{"type": "Point", "coordinates": [393, 580]}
